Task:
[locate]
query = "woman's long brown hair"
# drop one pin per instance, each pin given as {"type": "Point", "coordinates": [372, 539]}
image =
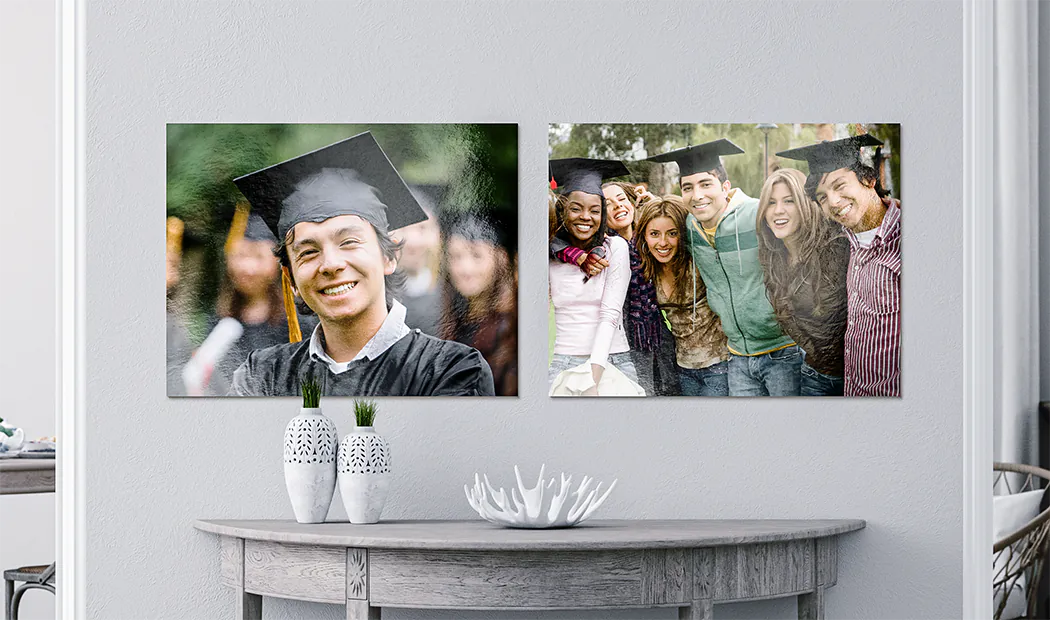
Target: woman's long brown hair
{"type": "Point", "coordinates": [681, 264]}
{"type": "Point", "coordinates": [816, 243]}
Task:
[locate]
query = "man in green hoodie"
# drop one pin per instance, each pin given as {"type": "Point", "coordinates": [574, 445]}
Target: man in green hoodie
{"type": "Point", "coordinates": [721, 237]}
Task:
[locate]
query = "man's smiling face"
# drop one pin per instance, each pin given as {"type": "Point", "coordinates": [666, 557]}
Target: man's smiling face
{"type": "Point", "coordinates": [338, 267]}
{"type": "Point", "coordinates": [845, 199]}
{"type": "Point", "coordinates": [705, 196]}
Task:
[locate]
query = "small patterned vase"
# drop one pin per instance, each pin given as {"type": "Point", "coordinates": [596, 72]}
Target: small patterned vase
{"type": "Point", "coordinates": [310, 444]}
{"type": "Point", "coordinates": [364, 474]}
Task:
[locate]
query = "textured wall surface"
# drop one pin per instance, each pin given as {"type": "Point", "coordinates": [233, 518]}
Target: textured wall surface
{"type": "Point", "coordinates": [167, 462]}
{"type": "Point", "coordinates": [27, 270]}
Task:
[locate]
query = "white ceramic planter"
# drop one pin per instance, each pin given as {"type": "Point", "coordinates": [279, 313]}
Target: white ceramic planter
{"type": "Point", "coordinates": [364, 474]}
{"type": "Point", "coordinates": [310, 444]}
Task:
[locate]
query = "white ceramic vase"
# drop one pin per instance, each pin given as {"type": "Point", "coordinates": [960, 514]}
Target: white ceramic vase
{"type": "Point", "coordinates": [364, 474]}
{"type": "Point", "coordinates": [310, 443]}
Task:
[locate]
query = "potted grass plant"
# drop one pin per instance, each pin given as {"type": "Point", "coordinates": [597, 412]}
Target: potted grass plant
{"type": "Point", "coordinates": [364, 467]}
{"type": "Point", "coordinates": [310, 444]}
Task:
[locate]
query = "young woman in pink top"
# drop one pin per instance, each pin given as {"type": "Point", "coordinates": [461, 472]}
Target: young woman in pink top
{"type": "Point", "coordinates": [588, 308]}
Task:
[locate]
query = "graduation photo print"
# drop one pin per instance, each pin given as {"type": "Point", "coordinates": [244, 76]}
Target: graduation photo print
{"type": "Point", "coordinates": [374, 260]}
{"type": "Point", "coordinates": [757, 259]}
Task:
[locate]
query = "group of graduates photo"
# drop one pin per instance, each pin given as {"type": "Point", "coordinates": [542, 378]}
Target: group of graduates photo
{"type": "Point", "coordinates": [370, 260]}
{"type": "Point", "coordinates": [724, 260]}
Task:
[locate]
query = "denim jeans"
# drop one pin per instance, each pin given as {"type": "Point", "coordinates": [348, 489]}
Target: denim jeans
{"type": "Point", "coordinates": [560, 362]}
{"type": "Point", "coordinates": [777, 373]}
{"type": "Point", "coordinates": [643, 362]}
{"type": "Point", "coordinates": [816, 383]}
{"type": "Point", "coordinates": [710, 381]}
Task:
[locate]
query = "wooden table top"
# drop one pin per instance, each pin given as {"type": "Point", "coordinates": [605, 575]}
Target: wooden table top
{"type": "Point", "coordinates": [482, 535]}
{"type": "Point", "coordinates": [18, 476]}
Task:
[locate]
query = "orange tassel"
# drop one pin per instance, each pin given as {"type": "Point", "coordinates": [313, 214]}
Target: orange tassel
{"type": "Point", "coordinates": [294, 333]}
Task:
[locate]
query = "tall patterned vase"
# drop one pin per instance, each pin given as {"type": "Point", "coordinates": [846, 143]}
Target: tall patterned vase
{"type": "Point", "coordinates": [364, 474]}
{"type": "Point", "coordinates": [310, 444]}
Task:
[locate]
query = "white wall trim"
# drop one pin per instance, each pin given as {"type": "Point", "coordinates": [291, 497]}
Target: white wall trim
{"type": "Point", "coordinates": [978, 273]}
{"type": "Point", "coordinates": [72, 538]}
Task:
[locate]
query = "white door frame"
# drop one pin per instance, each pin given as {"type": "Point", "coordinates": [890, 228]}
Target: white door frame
{"type": "Point", "coordinates": [978, 280]}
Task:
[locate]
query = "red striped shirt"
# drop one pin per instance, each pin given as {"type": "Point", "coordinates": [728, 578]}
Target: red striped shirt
{"type": "Point", "coordinates": [873, 328]}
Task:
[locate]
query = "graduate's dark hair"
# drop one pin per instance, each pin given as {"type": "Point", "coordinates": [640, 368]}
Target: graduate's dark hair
{"type": "Point", "coordinates": [865, 174]}
{"type": "Point", "coordinates": [390, 247]}
{"type": "Point", "coordinates": [718, 172]}
{"type": "Point", "coordinates": [599, 236]}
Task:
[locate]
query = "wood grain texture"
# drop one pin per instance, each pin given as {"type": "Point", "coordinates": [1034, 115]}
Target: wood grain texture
{"type": "Point", "coordinates": [482, 535]}
{"type": "Point", "coordinates": [505, 580]}
{"type": "Point", "coordinates": [811, 605]}
{"type": "Point", "coordinates": [20, 476]}
{"type": "Point", "coordinates": [231, 562]}
{"type": "Point", "coordinates": [754, 572]}
{"type": "Point", "coordinates": [827, 565]}
{"type": "Point", "coordinates": [667, 576]}
{"type": "Point", "coordinates": [356, 574]}
{"type": "Point", "coordinates": [301, 572]}
{"type": "Point", "coordinates": [699, 610]}
{"type": "Point", "coordinates": [360, 610]}
{"type": "Point", "coordinates": [249, 606]}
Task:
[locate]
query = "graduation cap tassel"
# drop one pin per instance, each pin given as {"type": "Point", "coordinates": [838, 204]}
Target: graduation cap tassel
{"type": "Point", "coordinates": [294, 333]}
{"type": "Point", "coordinates": [237, 226]}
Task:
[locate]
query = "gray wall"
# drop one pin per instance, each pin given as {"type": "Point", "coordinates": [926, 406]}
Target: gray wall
{"type": "Point", "coordinates": [27, 271]}
{"type": "Point", "coordinates": [157, 464]}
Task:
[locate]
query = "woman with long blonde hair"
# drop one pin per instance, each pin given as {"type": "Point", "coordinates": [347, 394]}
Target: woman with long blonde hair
{"type": "Point", "coordinates": [701, 354]}
{"type": "Point", "coordinates": [804, 258]}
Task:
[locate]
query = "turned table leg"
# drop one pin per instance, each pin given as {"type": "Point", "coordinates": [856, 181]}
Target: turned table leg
{"type": "Point", "coordinates": [811, 605]}
{"type": "Point", "coordinates": [699, 610]}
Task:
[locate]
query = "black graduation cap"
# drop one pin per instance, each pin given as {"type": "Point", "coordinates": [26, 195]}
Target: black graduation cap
{"type": "Point", "coordinates": [351, 177]}
{"type": "Point", "coordinates": [257, 230]}
{"type": "Point", "coordinates": [579, 174]}
{"type": "Point", "coordinates": [699, 158]}
{"type": "Point", "coordinates": [825, 156]}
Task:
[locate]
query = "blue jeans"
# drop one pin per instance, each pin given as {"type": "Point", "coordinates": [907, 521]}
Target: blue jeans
{"type": "Point", "coordinates": [560, 362]}
{"type": "Point", "coordinates": [816, 383]}
{"type": "Point", "coordinates": [777, 373]}
{"type": "Point", "coordinates": [710, 381]}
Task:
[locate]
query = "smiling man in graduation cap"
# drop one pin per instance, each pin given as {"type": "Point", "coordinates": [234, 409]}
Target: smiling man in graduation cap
{"type": "Point", "coordinates": [849, 192]}
{"type": "Point", "coordinates": [764, 361]}
{"type": "Point", "coordinates": [332, 211]}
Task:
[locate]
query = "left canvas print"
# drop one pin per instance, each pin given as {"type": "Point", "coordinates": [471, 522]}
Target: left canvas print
{"type": "Point", "coordinates": [375, 260]}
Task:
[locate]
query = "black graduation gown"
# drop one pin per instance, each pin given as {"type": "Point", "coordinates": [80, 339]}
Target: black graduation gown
{"type": "Point", "coordinates": [416, 365]}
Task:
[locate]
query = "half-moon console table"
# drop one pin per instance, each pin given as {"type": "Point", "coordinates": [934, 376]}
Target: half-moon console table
{"type": "Point", "coordinates": [691, 565]}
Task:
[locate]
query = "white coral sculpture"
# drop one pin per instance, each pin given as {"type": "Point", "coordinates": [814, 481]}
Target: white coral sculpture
{"type": "Point", "coordinates": [546, 505]}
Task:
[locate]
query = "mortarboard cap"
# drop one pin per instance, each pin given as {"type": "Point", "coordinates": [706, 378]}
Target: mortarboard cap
{"type": "Point", "coordinates": [578, 174]}
{"type": "Point", "coordinates": [257, 230]}
{"type": "Point", "coordinates": [700, 158]}
{"type": "Point", "coordinates": [350, 177]}
{"type": "Point", "coordinates": [826, 156]}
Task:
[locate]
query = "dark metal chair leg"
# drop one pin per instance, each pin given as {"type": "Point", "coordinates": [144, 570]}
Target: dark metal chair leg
{"type": "Point", "coordinates": [9, 595]}
{"type": "Point", "coordinates": [20, 590]}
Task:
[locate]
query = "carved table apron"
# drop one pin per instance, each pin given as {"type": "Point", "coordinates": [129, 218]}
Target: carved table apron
{"type": "Point", "coordinates": [688, 564]}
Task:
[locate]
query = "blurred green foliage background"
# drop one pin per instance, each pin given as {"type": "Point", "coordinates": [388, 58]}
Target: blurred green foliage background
{"type": "Point", "coordinates": [632, 142]}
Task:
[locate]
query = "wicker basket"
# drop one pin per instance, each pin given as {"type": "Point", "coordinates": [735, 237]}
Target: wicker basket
{"type": "Point", "coordinates": [1023, 552]}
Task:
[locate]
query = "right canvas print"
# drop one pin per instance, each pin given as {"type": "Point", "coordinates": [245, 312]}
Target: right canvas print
{"type": "Point", "coordinates": [752, 259]}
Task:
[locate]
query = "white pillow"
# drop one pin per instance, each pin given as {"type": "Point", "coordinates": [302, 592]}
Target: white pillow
{"type": "Point", "coordinates": [1009, 514]}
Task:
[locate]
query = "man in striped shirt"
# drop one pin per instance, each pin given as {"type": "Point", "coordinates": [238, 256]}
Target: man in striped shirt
{"type": "Point", "coordinates": [849, 193]}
